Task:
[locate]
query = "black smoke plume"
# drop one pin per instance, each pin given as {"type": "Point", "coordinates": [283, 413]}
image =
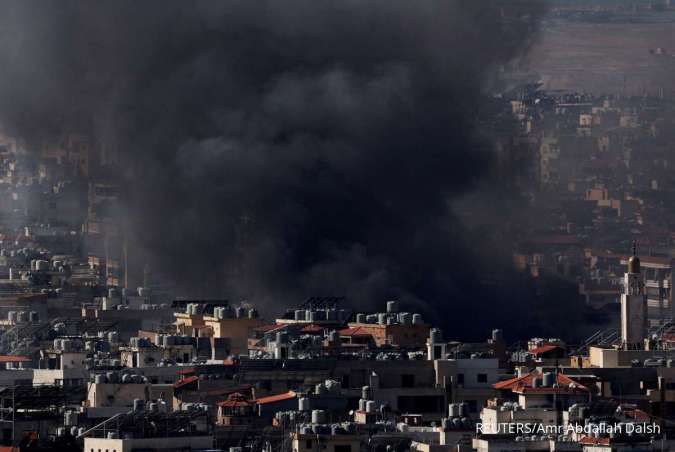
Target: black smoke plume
{"type": "Point", "coordinates": [274, 150]}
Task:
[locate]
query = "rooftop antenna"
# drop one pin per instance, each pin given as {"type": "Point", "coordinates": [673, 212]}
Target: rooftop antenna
{"type": "Point", "coordinates": [634, 247]}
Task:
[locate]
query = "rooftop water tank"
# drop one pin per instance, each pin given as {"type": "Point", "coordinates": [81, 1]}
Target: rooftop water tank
{"type": "Point", "coordinates": [453, 410]}
{"type": "Point", "coordinates": [318, 416]}
{"type": "Point", "coordinates": [320, 315]}
{"type": "Point", "coordinates": [112, 377]}
{"type": "Point", "coordinates": [392, 306]}
{"type": "Point", "coordinates": [405, 318]}
{"type": "Point", "coordinates": [70, 418]}
{"type": "Point", "coordinates": [461, 409]}
{"type": "Point", "coordinates": [549, 379]}
{"type": "Point", "coordinates": [365, 392]}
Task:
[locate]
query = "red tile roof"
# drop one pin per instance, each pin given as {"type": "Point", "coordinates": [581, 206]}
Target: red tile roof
{"type": "Point", "coordinates": [589, 440]}
{"type": "Point", "coordinates": [312, 329]}
{"type": "Point", "coordinates": [14, 359]}
{"type": "Point", "coordinates": [235, 400]}
{"type": "Point", "coordinates": [524, 383]}
{"type": "Point", "coordinates": [354, 331]}
{"type": "Point", "coordinates": [276, 398]}
{"type": "Point", "coordinates": [638, 415]}
{"type": "Point", "coordinates": [185, 381]}
{"type": "Point", "coordinates": [544, 349]}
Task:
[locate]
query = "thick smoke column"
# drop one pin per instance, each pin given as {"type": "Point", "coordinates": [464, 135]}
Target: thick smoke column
{"type": "Point", "coordinates": [274, 150]}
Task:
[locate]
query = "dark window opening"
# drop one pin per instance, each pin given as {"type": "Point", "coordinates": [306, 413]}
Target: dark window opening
{"type": "Point", "coordinates": [407, 381]}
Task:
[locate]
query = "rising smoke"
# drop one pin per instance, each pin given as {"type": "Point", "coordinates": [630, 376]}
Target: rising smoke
{"type": "Point", "coordinates": [273, 150]}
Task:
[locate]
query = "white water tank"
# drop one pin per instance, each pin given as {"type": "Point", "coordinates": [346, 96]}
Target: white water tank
{"type": "Point", "coordinates": [548, 379]}
{"type": "Point", "coordinates": [70, 418]}
{"type": "Point", "coordinates": [453, 410]}
{"type": "Point", "coordinates": [461, 409]}
{"type": "Point", "coordinates": [139, 405]}
{"type": "Point", "coordinates": [318, 417]}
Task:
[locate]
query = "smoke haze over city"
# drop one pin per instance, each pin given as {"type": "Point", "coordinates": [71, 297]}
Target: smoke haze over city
{"type": "Point", "coordinates": [273, 151]}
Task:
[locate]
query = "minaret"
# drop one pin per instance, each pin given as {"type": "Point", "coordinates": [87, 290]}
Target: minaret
{"type": "Point", "coordinates": [633, 305]}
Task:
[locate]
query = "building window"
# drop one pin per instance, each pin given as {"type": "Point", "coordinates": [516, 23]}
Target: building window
{"type": "Point", "coordinates": [407, 381]}
{"type": "Point", "coordinates": [345, 381]}
{"type": "Point", "coordinates": [308, 444]}
{"type": "Point", "coordinates": [481, 378]}
{"type": "Point", "coordinates": [460, 379]}
{"type": "Point", "coordinates": [343, 448]}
